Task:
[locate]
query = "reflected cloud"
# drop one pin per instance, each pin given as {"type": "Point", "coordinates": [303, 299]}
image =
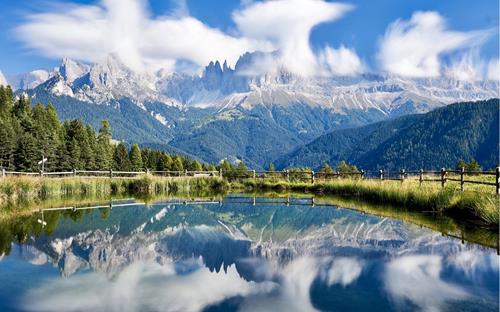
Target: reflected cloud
{"type": "Point", "coordinates": [417, 279]}
{"type": "Point", "coordinates": [343, 271]}
{"type": "Point", "coordinates": [294, 289]}
{"type": "Point", "coordinates": [471, 262]}
{"type": "Point", "coordinates": [142, 287]}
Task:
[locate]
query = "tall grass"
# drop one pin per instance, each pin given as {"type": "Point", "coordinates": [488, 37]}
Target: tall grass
{"type": "Point", "coordinates": [428, 197]}
{"type": "Point", "coordinates": [15, 190]}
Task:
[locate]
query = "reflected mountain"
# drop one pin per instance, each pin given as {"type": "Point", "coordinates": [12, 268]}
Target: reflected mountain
{"type": "Point", "coordinates": [221, 235]}
{"type": "Point", "coordinates": [229, 256]}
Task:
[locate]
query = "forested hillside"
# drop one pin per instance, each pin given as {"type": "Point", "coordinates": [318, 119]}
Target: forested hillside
{"type": "Point", "coordinates": [28, 133]}
{"type": "Point", "coordinates": [436, 139]}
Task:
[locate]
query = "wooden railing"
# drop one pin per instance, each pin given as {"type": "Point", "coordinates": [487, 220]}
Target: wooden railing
{"type": "Point", "coordinates": [443, 176]}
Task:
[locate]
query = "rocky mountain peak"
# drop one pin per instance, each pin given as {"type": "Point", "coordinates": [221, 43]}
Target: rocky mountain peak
{"type": "Point", "coordinates": [70, 70]}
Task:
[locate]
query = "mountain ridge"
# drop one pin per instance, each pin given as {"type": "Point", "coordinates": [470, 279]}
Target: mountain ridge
{"type": "Point", "coordinates": [222, 113]}
{"type": "Point", "coordinates": [395, 144]}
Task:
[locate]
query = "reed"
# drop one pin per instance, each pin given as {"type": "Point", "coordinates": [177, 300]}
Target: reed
{"type": "Point", "coordinates": [18, 190]}
{"type": "Point", "coordinates": [467, 205]}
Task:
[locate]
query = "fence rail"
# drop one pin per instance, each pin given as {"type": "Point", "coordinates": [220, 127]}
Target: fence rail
{"type": "Point", "coordinates": [289, 175]}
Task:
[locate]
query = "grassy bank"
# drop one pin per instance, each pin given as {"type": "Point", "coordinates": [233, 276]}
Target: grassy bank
{"type": "Point", "coordinates": [470, 205]}
{"type": "Point", "coordinates": [473, 206]}
{"type": "Point", "coordinates": [19, 190]}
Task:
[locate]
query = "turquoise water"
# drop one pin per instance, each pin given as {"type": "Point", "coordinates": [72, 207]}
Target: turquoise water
{"type": "Point", "coordinates": [233, 256]}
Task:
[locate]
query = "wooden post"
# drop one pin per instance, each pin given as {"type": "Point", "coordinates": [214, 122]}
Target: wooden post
{"type": "Point", "coordinates": [220, 172]}
{"type": "Point", "coordinates": [381, 174]}
{"type": "Point", "coordinates": [421, 177]}
{"type": "Point", "coordinates": [74, 172]}
{"type": "Point", "coordinates": [287, 175]}
{"type": "Point", "coordinates": [312, 176]}
{"type": "Point", "coordinates": [110, 173]}
{"type": "Point", "coordinates": [185, 172]}
{"type": "Point", "coordinates": [147, 171]}
{"type": "Point", "coordinates": [462, 171]}
{"type": "Point", "coordinates": [497, 171]}
{"type": "Point", "coordinates": [443, 177]}
{"type": "Point", "coordinates": [3, 172]}
{"type": "Point", "coordinates": [338, 174]}
{"type": "Point", "coordinates": [254, 175]}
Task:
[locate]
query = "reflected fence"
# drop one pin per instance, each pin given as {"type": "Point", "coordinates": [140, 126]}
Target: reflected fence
{"type": "Point", "coordinates": [442, 176]}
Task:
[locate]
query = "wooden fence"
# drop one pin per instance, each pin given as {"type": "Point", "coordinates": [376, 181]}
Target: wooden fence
{"type": "Point", "coordinates": [443, 176]}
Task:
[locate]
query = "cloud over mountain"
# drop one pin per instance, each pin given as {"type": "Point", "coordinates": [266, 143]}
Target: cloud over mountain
{"type": "Point", "coordinates": [415, 47]}
{"type": "Point", "coordinates": [128, 29]}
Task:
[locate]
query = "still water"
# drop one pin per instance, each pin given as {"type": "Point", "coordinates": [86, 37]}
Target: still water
{"type": "Point", "coordinates": [235, 255]}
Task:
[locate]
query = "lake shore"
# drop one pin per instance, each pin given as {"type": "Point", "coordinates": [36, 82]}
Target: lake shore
{"type": "Point", "coordinates": [470, 206]}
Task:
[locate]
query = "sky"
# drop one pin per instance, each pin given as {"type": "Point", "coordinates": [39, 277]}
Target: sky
{"type": "Point", "coordinates": [425, 38]}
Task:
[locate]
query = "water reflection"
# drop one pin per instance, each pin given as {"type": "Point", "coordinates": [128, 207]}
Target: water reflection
{"type": "Point", "coordinates": [244, 257]}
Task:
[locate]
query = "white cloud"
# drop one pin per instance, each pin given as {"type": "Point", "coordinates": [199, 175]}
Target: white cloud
{"type": "Point", "coordinates": [3, 81]}
{"type": "Point", "coordinates": [414, 48]}
{"type": "Point", "coordinates": [127, 29]}
{"type": "Point", "coordinates": [468, 67]}
{"type": "Point", "coordinates": [287, 24]}
{"type": "Point", "coordinates": [340, 62]}
{"type": "Point", "coordinates": [124, 27]}
{"type": "Point", "coordinates": [417, 279]}
{"type": "Point", "coordinates": [493, 72]}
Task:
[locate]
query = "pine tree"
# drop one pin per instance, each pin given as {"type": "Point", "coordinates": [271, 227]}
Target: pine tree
{"type": "Point", "coordinates": [165, 163]}
{"type": "Point", "coordinates": [121, 160]}
{"type": "Point", "coordinates": [92, 142]}
{"type": "Point", "coordinates": [7, 144]}
{"type": "Point", "coordinates": [326, 169]}
{"type": "Point", "coordinates": [25, 154]}
{"type": "Point", "coordinates": [135, 158]}
{"type": "Point", "coordinates": [104, 155]}
{"type": "Point", "coordinates": [196, 166]}
{"type": "Point", "coordinates": [177, 164]}
{"type": "Point", "coordinates": [271, 167]}
{"type": "Point", "coordinates": [241, 167]}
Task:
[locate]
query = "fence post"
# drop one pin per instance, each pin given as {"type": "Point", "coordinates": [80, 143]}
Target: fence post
{"type": "Point", "coordinates": [421, 177]}
{"type": "Point", "coordinates": [462, 182]}
{"type": "Point", "coordinates": [312, 176]}
{"type": "Point", "coordinates": [147, 171]}
{"type": "Point", "coordinates": [3, 172]}
{"type": "Point", "coordinates": [110, 173]}
{"type": "Point", "coordinates": [185, 172]}
{"type": "Point", "coordinates": [497, 171]}
{"type": "Point", "coordinates": [443, 177]}
{"type": "Point", "coordinates": [402, 174]}
{"type": "Point", "coordinates": [338, 174]}
{"type": "Point", "coordinates": [220, 172]}
{"type": "Point", "coordinates": [74, 172]}
{"type": "Point", "coordinates": [362, 174]}
{"type": "Point", "coordinates": [381, 174]}
{"type": "Point", "coordinates": [254, 175]}
{"type": "Point", "coordinates": [287, 175]}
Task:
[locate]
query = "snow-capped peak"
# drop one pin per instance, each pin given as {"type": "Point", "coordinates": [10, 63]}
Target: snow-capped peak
{"type": "Point", "coordinates": [71, 70]}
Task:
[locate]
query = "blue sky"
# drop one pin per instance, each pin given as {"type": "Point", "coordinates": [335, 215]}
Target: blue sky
{"type": "Point", "coordinates": [360, 29]}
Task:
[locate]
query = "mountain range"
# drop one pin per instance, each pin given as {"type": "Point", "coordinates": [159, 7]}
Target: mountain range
{"type": "Point", "coordinates": [436, 139]}
{"type": "Point", "coordinates": [244, 113]}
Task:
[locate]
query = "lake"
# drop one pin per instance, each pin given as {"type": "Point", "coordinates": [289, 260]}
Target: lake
{"type": "Point", "coordinates": [240, 253]}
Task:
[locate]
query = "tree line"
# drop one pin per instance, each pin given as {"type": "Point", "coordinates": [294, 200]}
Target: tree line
{"type": "Point", "coordinates": [29, 133]}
